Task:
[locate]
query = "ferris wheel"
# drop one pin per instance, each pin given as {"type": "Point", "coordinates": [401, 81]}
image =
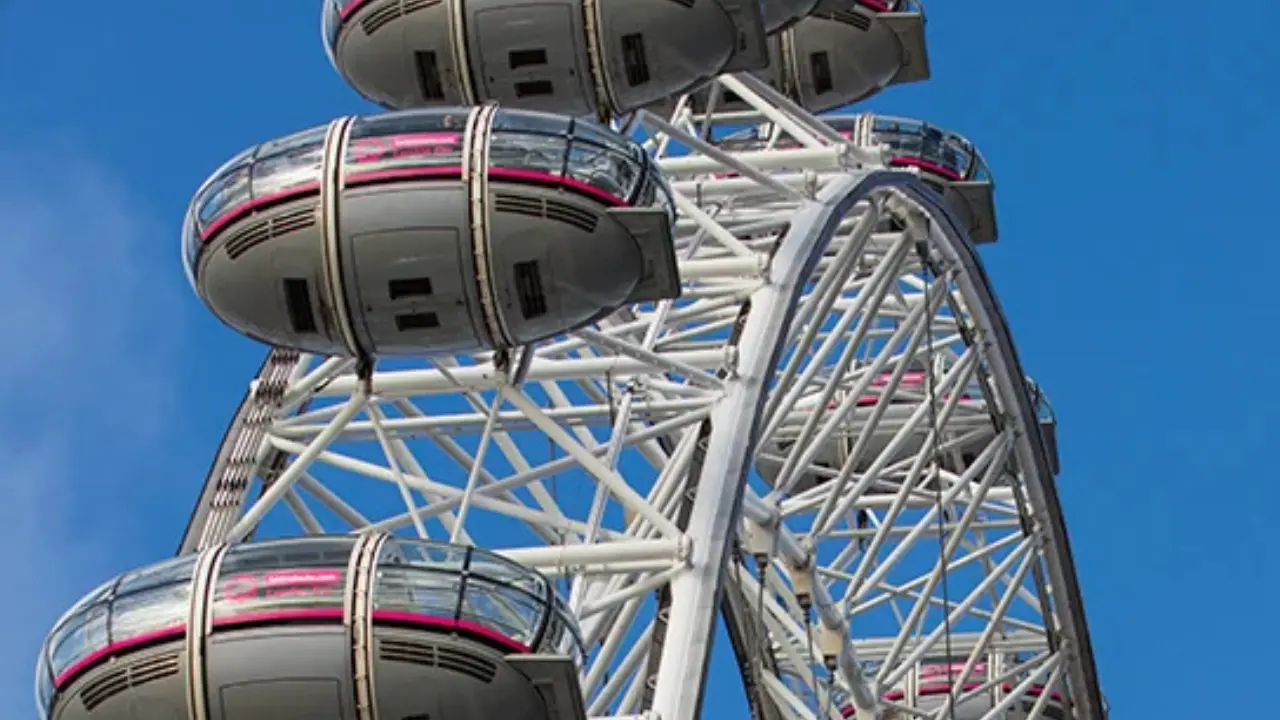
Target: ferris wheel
{"type": "Point", "coordinates": [608, 335]}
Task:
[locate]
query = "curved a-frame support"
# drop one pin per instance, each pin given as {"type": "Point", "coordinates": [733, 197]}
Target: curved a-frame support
{"type": "Point", "coordinates": [717, 507]}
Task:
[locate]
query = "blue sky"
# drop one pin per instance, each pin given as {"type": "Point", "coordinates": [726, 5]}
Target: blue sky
{"type": "Point", "coordinates": [1132, 145]}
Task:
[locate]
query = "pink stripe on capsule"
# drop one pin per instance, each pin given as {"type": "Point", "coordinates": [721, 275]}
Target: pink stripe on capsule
{"type": "Point", "coordinates": [117, 648]}
{"type": "Point", "coordinates": [261, 203]}
{"type": "Point", "coordinates": [466, 627]}
{"type": "Point", "coordinates": [532, 177]}
{"type": "Point", "coordinates": [178, 632]}
{"type": "Point", "coordinates": [942, 689]}
{"type": "Point", "coordinates": [351, 9]}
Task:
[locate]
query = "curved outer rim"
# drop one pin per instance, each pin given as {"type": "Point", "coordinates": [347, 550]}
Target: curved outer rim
{"type": "Point", "coordinates": [1033, 457]}
{"type": "Point", "coordinates": [946, 236]}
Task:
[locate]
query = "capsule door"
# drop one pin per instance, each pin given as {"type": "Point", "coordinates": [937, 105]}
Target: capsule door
{"type": "Point", "coordinates": [531, 54]}
{"type": "Point", "coordinates": [410, 277]}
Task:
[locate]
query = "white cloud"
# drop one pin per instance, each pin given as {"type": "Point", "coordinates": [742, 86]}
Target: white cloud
{"type": "Point", "coordinates": [87, 335]}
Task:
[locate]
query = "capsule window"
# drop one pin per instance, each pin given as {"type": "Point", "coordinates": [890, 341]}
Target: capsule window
{"type": "Point", "coordinates": [297, 301]}
{"type": "Point", "coordinates": [820, 65]}
{"type": "Point", "coordinates": [633, 59]}
{"type": "Point", "coordinates": [429, 75]}
{"type": "Point", "coordinates": [533, 88]}
{"type": "Point", "coordinates": [409, 287]}
{"type": "Point", "coordinates": [533, 300]}
{"type": "Point", "coordinates": [417, 321]}
{"type": "Point", "coordinates": [526, 58]}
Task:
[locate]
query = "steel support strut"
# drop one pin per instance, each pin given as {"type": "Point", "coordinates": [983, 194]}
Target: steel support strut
{"type": "Point", "coordinates": [722, 482]}
{"type": "Point", "coordinates": [735, 424]}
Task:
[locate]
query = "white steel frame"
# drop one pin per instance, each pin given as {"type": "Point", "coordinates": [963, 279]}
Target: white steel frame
{"type": "Point", "coordinates": [798, 293]}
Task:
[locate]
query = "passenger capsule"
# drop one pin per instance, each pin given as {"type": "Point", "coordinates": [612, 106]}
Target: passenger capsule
{"type": "Point", "coordinates": [946, 161]}
{"type": "Point", "coordinates": [845, 51]}
{"type": "Point", "coordinates": [431, 231]}
{"type": "Point", "coordinates": [1048, 423]}
{"type": "Point", "coordinates": [313, 628]}
{"type": "Point", "coordinates": [576, 57]}
{"type": "Point", "coordinates": [832, 455]}
{"type": "Point", "coordinates": [933, 682]}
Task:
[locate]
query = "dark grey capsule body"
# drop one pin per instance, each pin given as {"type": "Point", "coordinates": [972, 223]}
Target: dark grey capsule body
{"type": "Point", "coordinates": [843, 52]}
{"type": "Point", "coordinates": [577, 57]}
{"type": "Point", "coordinates": [438, 231]}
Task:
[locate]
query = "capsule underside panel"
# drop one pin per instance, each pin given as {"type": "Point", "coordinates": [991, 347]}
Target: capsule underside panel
{"type": "Point", "coordinates": [305, 673]}
{"type": "Point", "coordinates": [409, 271]}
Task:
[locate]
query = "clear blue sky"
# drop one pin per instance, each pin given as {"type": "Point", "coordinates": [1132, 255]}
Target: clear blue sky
{"type": "Point", "coordinates": [1132, 145]}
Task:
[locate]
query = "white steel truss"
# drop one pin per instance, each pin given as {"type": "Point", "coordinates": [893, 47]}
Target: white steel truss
{"type": "Point", "coordinates": [757, 436]}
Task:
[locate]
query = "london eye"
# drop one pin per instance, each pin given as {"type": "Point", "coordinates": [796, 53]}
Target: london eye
{"type": "Point", "coordinates": [620, 326]}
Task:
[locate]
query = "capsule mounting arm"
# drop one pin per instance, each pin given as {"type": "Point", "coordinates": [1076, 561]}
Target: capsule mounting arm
{"type": "Point", "coordinates": [651, 229]}
{"type": "Point", "coordinates": [909, 27]}
{"type": "Point", "coordinates": [556, 679]}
